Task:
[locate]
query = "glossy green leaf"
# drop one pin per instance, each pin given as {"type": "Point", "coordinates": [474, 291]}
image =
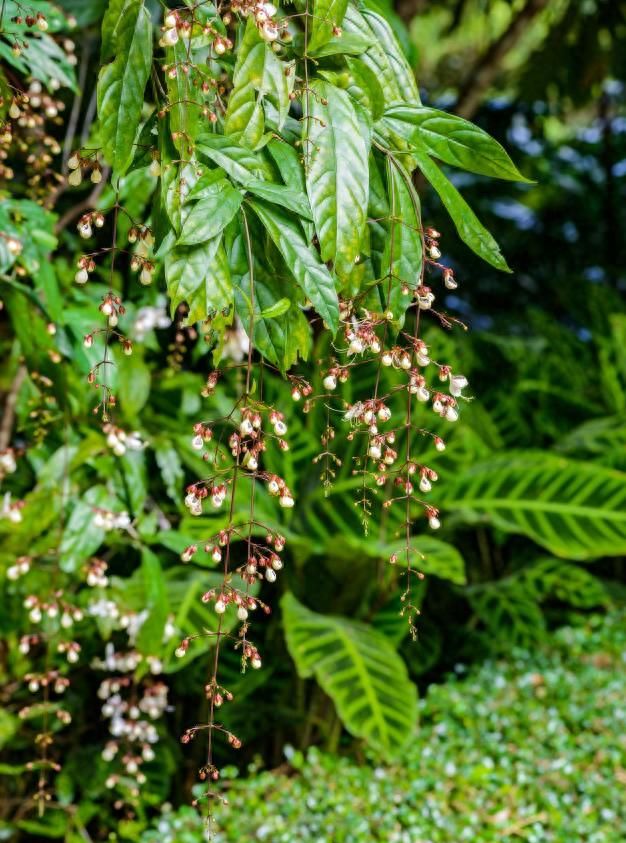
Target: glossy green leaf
{"type": "Point", "coordinates": [337, 174]}
{"type": "Point", "coordinates": [184, 114]}
{"type": "Point", "coordinates": [346, 44]}
{"type": "Point", "coordinates": [471, 231]}
{"type": "Point", "coordinates": [360, 671]}
{"type": "Point", "coordinates": [327, 14]}
{"type": "Point", "coordinates": [281, 195]}
{"type": "Point", "coordinates": [403, 255]}
{"type": "Point", "coordinates": [575, 510]}
{"type": "Point", "coordinates": [241, 164]}
{"type": "Point", "coordinates": [281, 336]}
{"type": "Point", "coordinates": [121, 85]}
{"type": "Point", "coordinates": [210, 215]}
{"type": "Point", "coordinates": [259, 74]}
{"type": "Point", "coordinates": [108, 31]}
{"type": "Point", "coordinates": [302, 261]}
{"type": "Point", "coordinates": [199, 275]}
{"type": "Point", "coordinates": [453, 140]}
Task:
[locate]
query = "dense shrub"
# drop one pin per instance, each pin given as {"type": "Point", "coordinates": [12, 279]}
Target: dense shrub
{"type": "Point", "coordinates": [528, 748]}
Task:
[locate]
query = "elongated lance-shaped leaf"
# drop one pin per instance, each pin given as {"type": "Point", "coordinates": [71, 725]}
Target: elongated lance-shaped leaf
{"type": "Point", "coordinates": [121, 85]}
{"type": "Point", "coordinates": [211, 214]}
{"type": "Point", "coordinates": [184, 111]}
{"type": "Point", "coordinates": [470, 229]}
{"type": "Point", "coordinates": [403, 77]}
{"type": "Point", "coordinates": [259, 73]}
{"type": "Point", "coordinates": [281, 330]}
{"type": "Point", "coordinates": [280, 194]}
{"type": "Point", "coordinates": [199, 275]}
{"type": "Point", "coordinates": [241, 164]}
{"type": "Point", "coordinates": [402, 256]}
{"type": "Point", "coordinates": [453, 140]}
{"type": "Point", "coordinates": [360, 671]}
{"type": "Point", "coordinates": [576, 510]}
{"type": "Point", "coordinates": [337, 174]}
{"type": "Point", "coordinates": [302, 261]}
{"type": "Point", "coordinates": [327, 14]}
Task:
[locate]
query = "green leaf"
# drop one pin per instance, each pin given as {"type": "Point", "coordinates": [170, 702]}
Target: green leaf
{"type": "Point", "coordinates": [171, 468]}
{"type": "Point", "coordinates": [402, 255]}
{"type": "Point", "coordinates": [281, 195]}
{"type": "Point", "coordinates": [384, 57]}
{"type": "Point", "coordinates": [184, 110]}
{"type": "Point", "coordinates": [348, 43]}
{"type": "Point", "coordinates": [302, 261]}
{"type": "Point", "coordinates": [471, 231]}
{"type": "Point", "coordinates": [274, 310]}
{"type": "Point", "coordinates": [327, 14]}
{"type": "Point", "coordinates": [200, 276]}
{"type": "Point", "coordinates": [427, 555]}
{"type": "Point", "coordinates": [289, 164]}
{"type": "Point", "coordinates": [360, 671]}
{"type": "Point", "coordinates": [210, 215]}
{"type": "Point", "coordinates": [111, 19]}
{"type": "Point", "coordinates": [453, 140]}
{"type": "Point", "coordinates": [150, 638]}
{"type": "Point", "coordinates": [259, 74]}
{"type": "Point", "coordinates": [133, 382]}
{"type": "Point", "coordinates": [82, 536]}
{"type": "Point", "coordinates": [511, 615]}
{"type": "Point", "coordinates": [241, 164]}
{"type": "Point", "coordinates": [337, 176]}
{"type": "Point", "coordinates": [575, 510]}
{"type": "Point", "coordinates": [281, 341]}
{"type": "Point", "coordinates": [554, 578]}
{"type": "Point", "coordinates": [121, 85]}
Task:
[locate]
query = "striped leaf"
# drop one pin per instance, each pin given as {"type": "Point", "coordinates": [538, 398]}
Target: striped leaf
{"type": "Point", "coordinates": [359, 670]}
{"type": "Point", "coordinates": [576, 510]}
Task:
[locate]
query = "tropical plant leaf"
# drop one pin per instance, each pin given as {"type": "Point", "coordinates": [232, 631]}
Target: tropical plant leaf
{"type": "Point", "coordinates": [359, 670]}
{"type": "Point", "coordinates": [200, 276]}
{"type": "Point", "coordinates": [211, 214]}
{"type": "Point", "coordinates": [575, 510]}
{"type": "Point", "coordinates": [281, 195]}
{"type": "Point", "coordinates": [402, 256]}
{"type": "Point", "coordinates": [327, 14]}
{"type": "Point", "coordinates": [564, 581]}
{"type": "Point", "coordinates": [241, 164]}
{"type": "Point", "coordinates": [395, 59]}
{"type": "Point", "coordinates": [337, 176]}
{"type": "Point", "coordinates": [280, 340]}
{"type": "Point", "coordinates": [150, 636]}
{"type": "Point", "coordinates": [258, 74]}
{"type": "Point", "coordinates": [121, 85]}
{"type": "Point", "coordinates": [471, 231]}
{"type": "Point", "coordinates": [183, 110]}
{"type": "Point", "coordinates": [304, 263]}
{"type": "Point", "coordinates": [453, 140]}
{"type": "Point", "coordinates": [511, 615]}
